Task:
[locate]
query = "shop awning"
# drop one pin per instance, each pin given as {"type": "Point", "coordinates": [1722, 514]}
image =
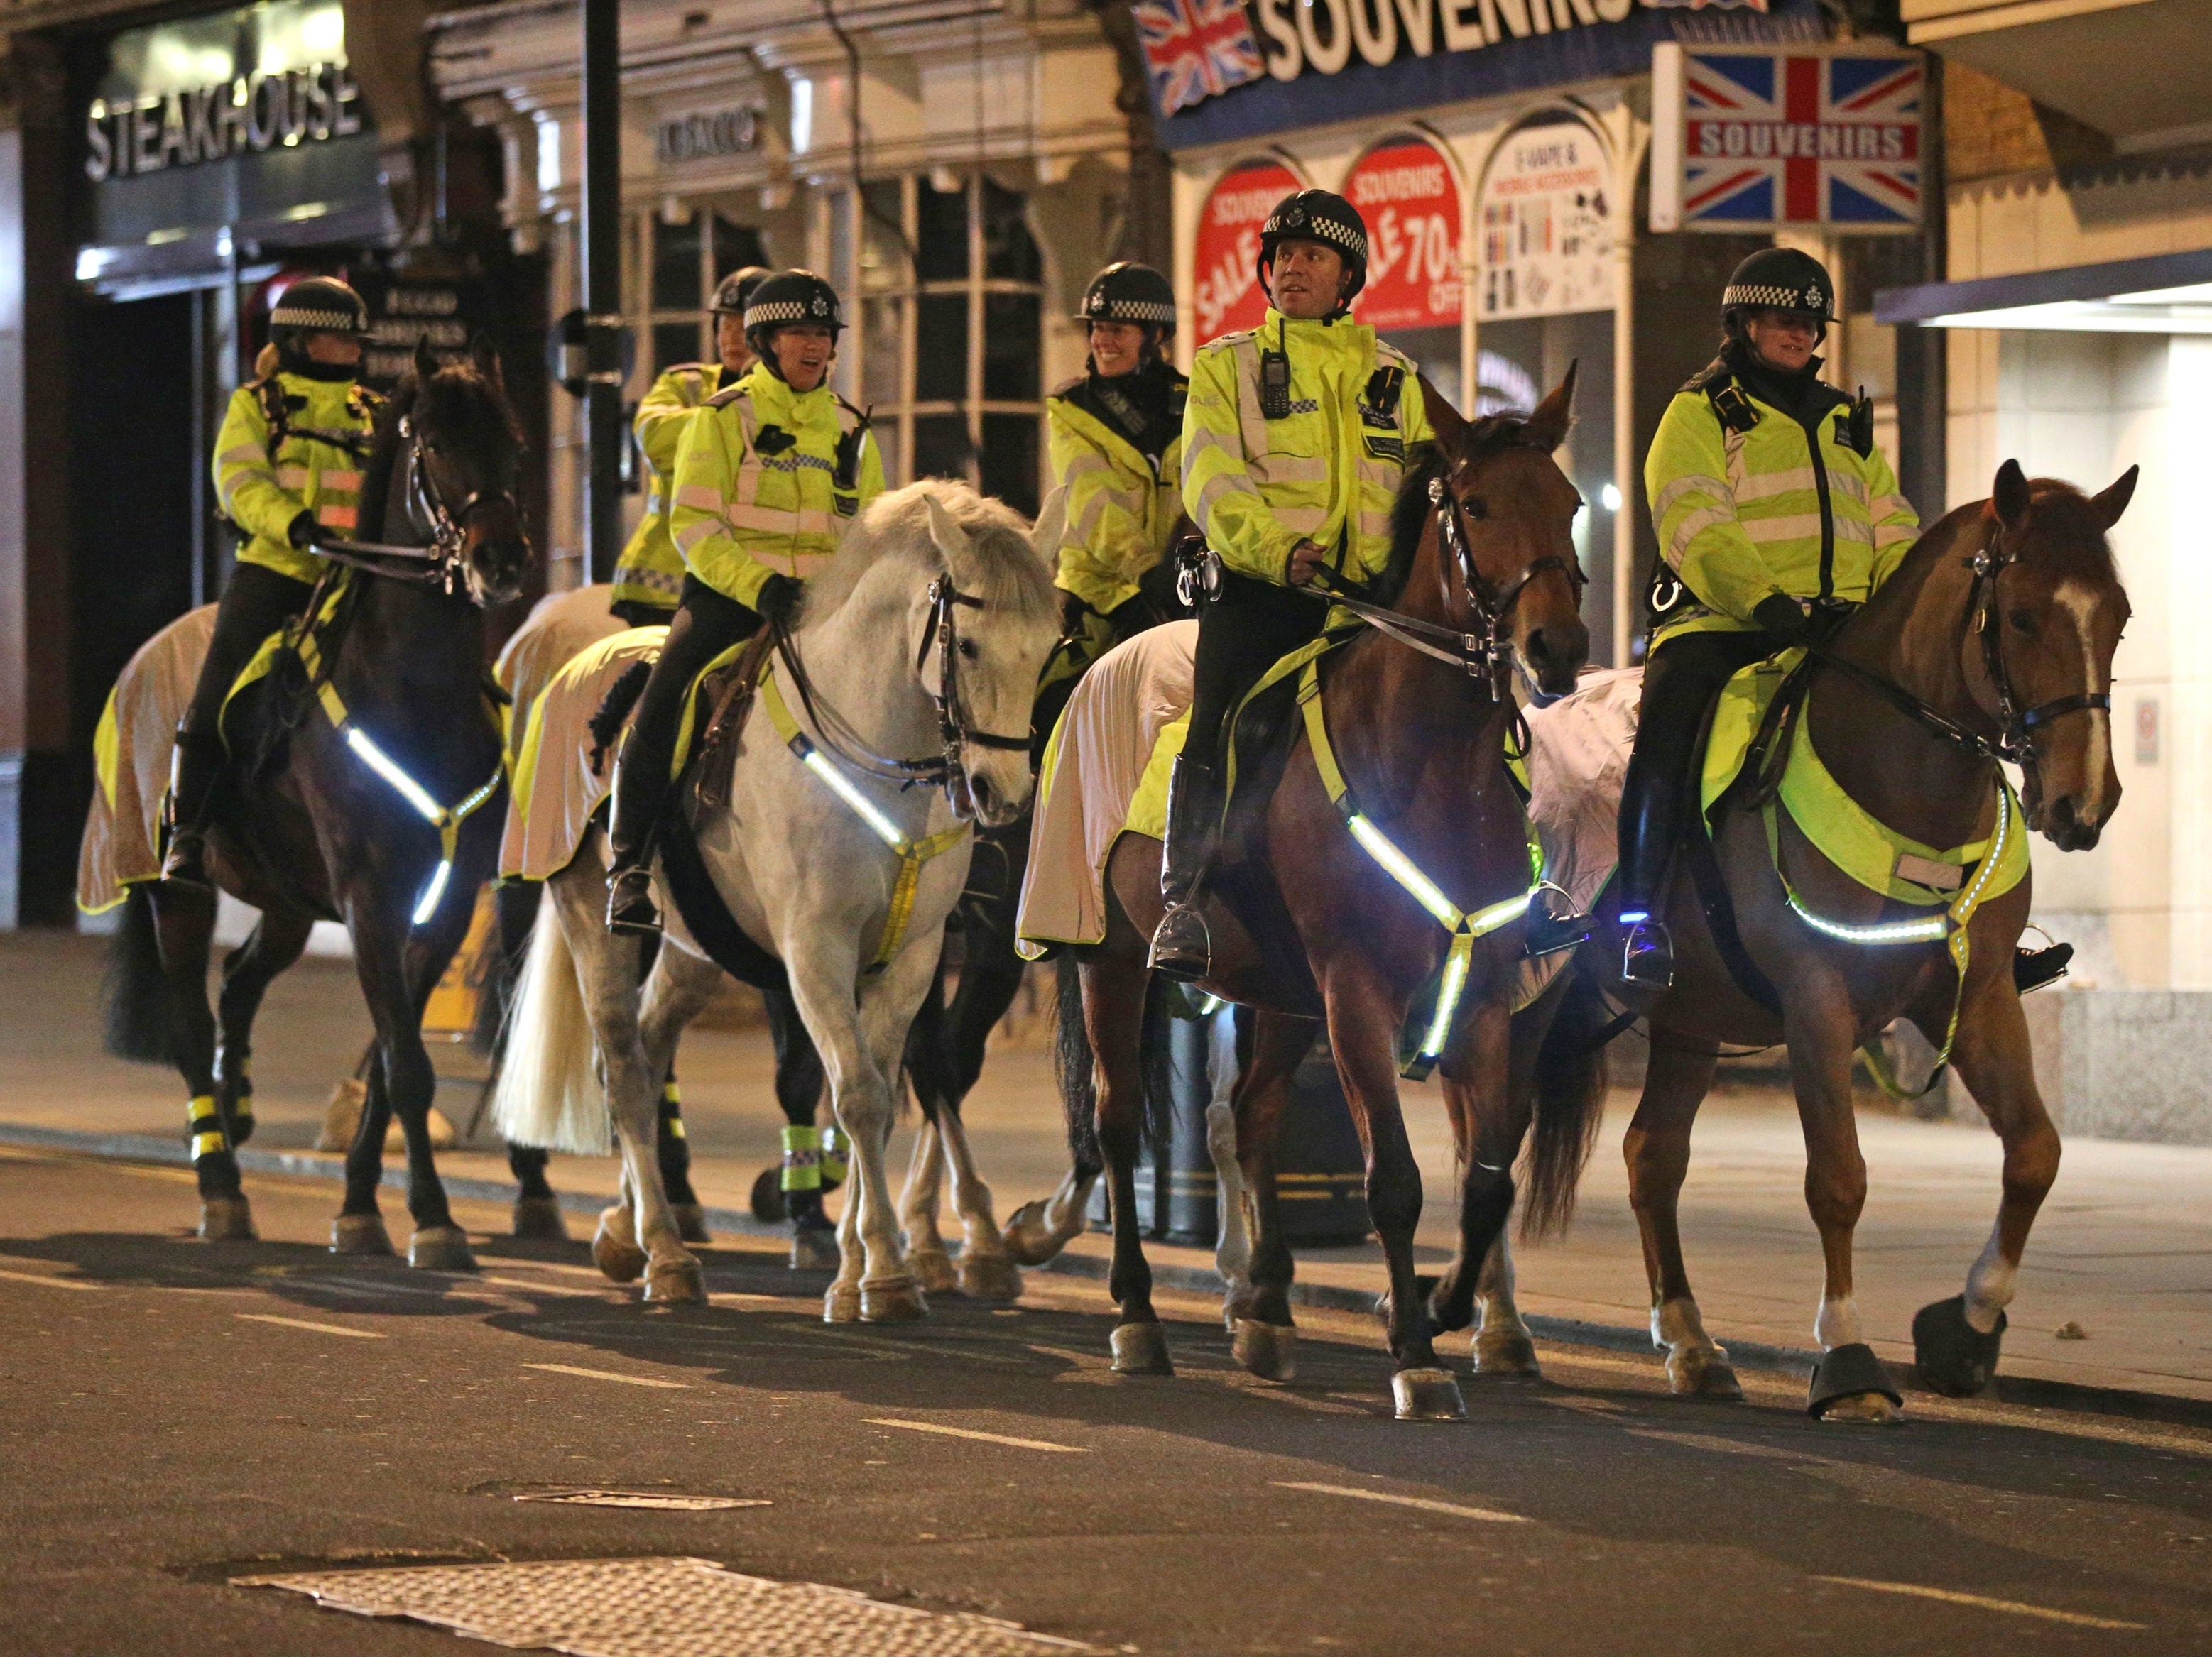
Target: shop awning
{"type": "Point", "coordinates": [2123, 66]}
{"type": "Point", "coordinates": [2169, 293]}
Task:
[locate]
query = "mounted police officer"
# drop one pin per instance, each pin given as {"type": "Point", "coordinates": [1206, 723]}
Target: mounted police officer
{"type": "Point", "coordinates": [1115, 441]}
{"type": "Point", "coordinates": [1295, 440]}
{"type": "Point", "coordinates": [649, 575]}
{"type": "Point", "coordinates": [1777, 516]}
{"type": "Point", "coordinates": [286, 467]}
{"type": "Point", "coordinates": [769, 474]}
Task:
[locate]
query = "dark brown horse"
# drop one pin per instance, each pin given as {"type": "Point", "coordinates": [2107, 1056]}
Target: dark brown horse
{"type": "Point", "coordinates": [323, 817]}
{"type": "Point", "coordinates": [1309, 925]}
{"type": "Point", "coordinates": [1994, 637]}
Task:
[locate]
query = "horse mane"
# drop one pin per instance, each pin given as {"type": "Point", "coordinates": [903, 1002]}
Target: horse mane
{"type": "Point", "coordinates": [895, 526]}
{"type": "Point", "coordinates": [383, 456]}
{"type": "Point", "coordinates": [2078, 550]}
{"type": "Point", "coordinates": [1409, 512]}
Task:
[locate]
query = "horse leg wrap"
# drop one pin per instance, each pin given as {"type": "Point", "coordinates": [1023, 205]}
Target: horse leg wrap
{"type": "Point", "coordinates": [1844, 1372]}
{"type": "Point", "coordinates": [1954, 1359]}
{"type": "Point", "coordinates": [802, 1159]}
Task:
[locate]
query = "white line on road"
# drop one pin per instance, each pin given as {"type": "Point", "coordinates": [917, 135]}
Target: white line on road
{"type": "Point", "coordinates": [984, 1438]}
{"type": "Point", "coordinates": [302, 1323]}
{"type": "Point", "coordinates": [49, 1283]}
{"type": "Point", "coordinates": [540, 1287]}
{"type": "Point", "coordinates": [2081, 1619]}
{"type": "Point", "coordinates": [608, 1375]}
{"type": "Point", "coordinates": [1421, 1502]}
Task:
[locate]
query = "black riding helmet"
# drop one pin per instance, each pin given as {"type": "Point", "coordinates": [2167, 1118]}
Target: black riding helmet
{"type": "Point", "coordinates": [1316, 215]}
{"type": "Point", "coordinates": [1777, 279]}
{"type": "Point", "coordinates": [786, 297]}
{"type": "Point", "coordinates": [317, 305]}
{"type": "Point", "coordinates": [734, 289]}
{"type": "Point", "coordinates": [1129, 292]}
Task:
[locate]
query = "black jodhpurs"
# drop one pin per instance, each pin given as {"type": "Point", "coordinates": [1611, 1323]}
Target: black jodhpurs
{"type": "Point", "coordinates": [704, 624]}
{"type": "Point", "coordinates": [1249, 627]}
{"type": "Point", "coordinates": [255, 603]}
{"type": "Point", "coordinates": [1679, 682]}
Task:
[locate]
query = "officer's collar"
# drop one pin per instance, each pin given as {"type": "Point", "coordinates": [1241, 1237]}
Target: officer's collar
{"type": "Point", "coordinates": [1318, 331]}
{"type": "Point", "coordinates": [759, 377]}
{"type": "Point", "coordinates": [343, 381]}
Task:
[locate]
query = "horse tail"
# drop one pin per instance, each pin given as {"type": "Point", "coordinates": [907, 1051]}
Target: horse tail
{"type": "Point", "coordinates": [549, 1090]}
{"type": "Point", "coordinates": [1156, 1065]}
{"type": "Point", "coordinates": [516, 905]}
{"type": "Point", "coordinates": [1076, 1067]}
{"type": "Point", "coordinates": [1570, 1105]}
{"type": "Point", "coordinates": [133, 989]}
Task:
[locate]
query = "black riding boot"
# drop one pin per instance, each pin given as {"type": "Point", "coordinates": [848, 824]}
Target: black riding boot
{"type": "Point", "coordinates": [194, 764]}
{"type": "Point", "coordinates": [1181, 946]}
{"type": "Point", "coordinates": [1648, 809]}
{"type": "Point", "coordinates": [630, 827]}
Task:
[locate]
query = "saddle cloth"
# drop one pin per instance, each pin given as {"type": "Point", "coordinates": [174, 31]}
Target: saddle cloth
{"type": "Point", "coordinates": [130, 755]}
{"type": "Point", "coordinates": [556, 788]}
{"type": "Point", "coordinates": [560, 626]}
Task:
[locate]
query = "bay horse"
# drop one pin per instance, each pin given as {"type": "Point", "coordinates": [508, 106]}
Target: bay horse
{"type": "Point", "coordinates": [1993, 640]}
{"type": "Point", "coordinates": [372, 799]}
{"type": "Point", "coordinates": [923, 637]}
{"type": "Point", "coordinates": [1314, 926]}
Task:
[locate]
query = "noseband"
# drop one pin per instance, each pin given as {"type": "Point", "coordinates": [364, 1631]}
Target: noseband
{"type": "Point", "coordinates": [437, 560]}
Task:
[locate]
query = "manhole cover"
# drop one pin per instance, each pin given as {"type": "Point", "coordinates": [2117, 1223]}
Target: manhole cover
{"type": "Point", "coordinates": [664, 1501]}
{"type": "Point", "coordinates": [657, 1608]}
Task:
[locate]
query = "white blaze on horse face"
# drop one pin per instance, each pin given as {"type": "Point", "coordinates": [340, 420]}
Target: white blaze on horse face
{"type": "Point", "coordinates": [2080, 602]}
{"type": "Point", "coordinates": [1990, 1286]}
{"type": "Point", "coordinates": [1837, 1324]}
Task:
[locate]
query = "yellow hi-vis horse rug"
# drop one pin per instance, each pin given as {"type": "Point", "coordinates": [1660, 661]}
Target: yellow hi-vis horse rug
{"type": "Point", "coordinates": [131, 755]}
{"type": "Point", "coordinates": [555, 786]}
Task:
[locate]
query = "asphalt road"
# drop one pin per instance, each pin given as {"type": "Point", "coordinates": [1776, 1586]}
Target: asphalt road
{"type": "Point", "coordinates": [176, 1414]}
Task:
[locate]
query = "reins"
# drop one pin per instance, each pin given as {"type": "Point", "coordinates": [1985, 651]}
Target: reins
{"type": "Point", "coordinates": [438, 562]}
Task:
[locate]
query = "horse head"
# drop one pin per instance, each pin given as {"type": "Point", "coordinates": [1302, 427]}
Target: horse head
{"type": "Point", "coordinates": [983, 641]}
{"type": "Point", "coordinates": [468, 450]}
{"type": "Point", "coordinates": [1515, 510]}
{"type": "Point", "coordinates": [2039, 656]}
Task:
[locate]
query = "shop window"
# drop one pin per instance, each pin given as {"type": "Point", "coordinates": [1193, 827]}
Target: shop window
{"type": "Point", "coordinates": [684, 260]}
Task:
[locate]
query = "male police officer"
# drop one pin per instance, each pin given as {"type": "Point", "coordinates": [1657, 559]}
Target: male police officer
{"type": "Point", "coordinates": [649, 575]}
{"type": "Point", "coordinates": [1295, 440]}
{"type": "Point", "coordinates": [1777, 515]}
{"type": "Point", "coordinates": [286, 467]}
{"type": "Point", "coordinates": [770, 475]}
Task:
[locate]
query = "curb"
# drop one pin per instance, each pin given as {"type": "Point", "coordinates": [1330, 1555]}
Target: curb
{"type": "Point", "coordinates": [2022, 1391]}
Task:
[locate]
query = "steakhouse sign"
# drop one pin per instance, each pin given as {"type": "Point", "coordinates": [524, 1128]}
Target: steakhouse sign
{"type": "Point", "coordinates": [1404, 190]}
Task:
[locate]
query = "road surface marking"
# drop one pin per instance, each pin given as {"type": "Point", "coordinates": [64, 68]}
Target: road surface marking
{"type": "Point", "coordinates": [1728, 1446]}
{"type": "Point", "coordinates": [539, 1288]}
{"type": "Point", "coordinates": [50, 1282]}
{"type": "Point", "coordinates": [302, 1323]}
{"type": "Point", "coordinates": [984, 1438]}
{"type": "Point", "coordinates": [2079, 1618]}
{"type": "Point", "coordinates": [608, 1375]}
{"type": "Point", "coordinates": [1421, 1502]}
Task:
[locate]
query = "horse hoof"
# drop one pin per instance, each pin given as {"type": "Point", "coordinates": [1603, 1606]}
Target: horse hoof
{"type": "Point", "coordinates": [441, 1248]}
{"type": "Point", "coordinates": [1141, 1349]}
{"type": "Point", "coordinates": [1267, 1350]}
{"type": "Point", "coordinates": [538, 1219]}
{"type": "Point", "coordinates": [933, 1270]}
{"type": "Point", "coordinates": [898, 1301]}
{"type": "Point", "coordinates": [359, 1233]}
{"type": "Point", "coordinates": [841, 1304]}
{"type": "Point", "coordinates": [1849, 1384]}
{"type": "Point", "coordinates": [228, 1220]}
{"type": "Point", "coordinates": [1030, 1241]}
{"type": "Point", "coordinates": [691, 1222]}
{"type": "Point", "coordinates": [679, 1282]}
{"type": "Point", "coordinates": [815, 1250]}
{"type": "Point", "coordinates": [767, 1204]}
{"type": "Point", "coordinates": [1702, 1372]}
{"type": "Point", "coordinates": [1954, 1359]}
{"type": "Point", "coordinates": [1505, 1353]}
{"type": "Point", "coordinates": [1427, 1395]}
{"type": "Point", "coordinates": [989, 1278]}
{"type": "Point", "coordinates": [614, 1249]}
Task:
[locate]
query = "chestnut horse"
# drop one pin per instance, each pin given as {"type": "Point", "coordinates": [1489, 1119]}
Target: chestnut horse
{"type": "Point", "coordinates": [1312, 926]}
{"type": "Point", "coordinates": [1994, 639]}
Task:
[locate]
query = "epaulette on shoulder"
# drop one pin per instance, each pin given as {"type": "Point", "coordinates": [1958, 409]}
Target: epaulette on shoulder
{"type": "Point", "coordinates": [1387, 353]}
{"type": "Point", "coordinates": [728, 394]}
{"type": "Point", "coordinates": [1222, 342]}
{"type": "Point", "coordinates": [1711, 375]}
{"type": "Point", "coordinates": [1069, 386]}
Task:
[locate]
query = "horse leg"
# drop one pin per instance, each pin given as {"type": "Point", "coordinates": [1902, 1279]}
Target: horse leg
{"type": "Point", "coordinates": [1955, 1342]}
{"type": "Point", "coordinates": [926, 1256]}
{"type": "Point", "coordinates": [184, 922]}
{"type": "Point", "coordinates": [359, 1228]}
{"type": "Point", "coordinates": [537, 1210]}
{"type": "Point", "coordinates": [1113, 996]}
{"type": "Point", "coordinates": [1038, 1231]}
{"type": "Point", "coordinates": [1232, 1245]}
{"type": "Point", "coordinates": [1258, 1312]}
{"type": "Point", "coordinates": [1489, 1123]}
{"type": "Point", "coordinates": [1658, 1149]}
{"type": "Point", "coordinates": [988, 1270]}
{"type": "Point", "coordinates": [274, 945]}
{"type": "Point", "coordinates": [798, 1175]}
{"type": "Point", "coordinates": [672, 1146]}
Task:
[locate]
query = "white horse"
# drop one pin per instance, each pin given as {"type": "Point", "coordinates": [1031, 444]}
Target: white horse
{"type": "Point", "coordinates": [921, 640]}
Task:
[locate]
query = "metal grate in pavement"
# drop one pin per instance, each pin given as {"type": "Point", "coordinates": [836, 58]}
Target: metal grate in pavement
{"type": "Point", "coordinates": [660, 1501]}
{"type": "Point", "coordinates": [665, 1607]}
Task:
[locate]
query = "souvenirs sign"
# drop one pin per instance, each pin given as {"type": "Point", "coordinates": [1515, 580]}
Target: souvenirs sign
{"type": "Point", "coordinates": [1403, 188]}
{"type": "Point", "coordinates": [1225, 291]}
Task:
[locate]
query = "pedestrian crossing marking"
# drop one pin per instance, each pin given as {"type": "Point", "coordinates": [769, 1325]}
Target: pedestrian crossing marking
{"type": "Point", "coordinates": [50, 1281]}
{"type": "Point", "coordinates": [1422, 1502]}
{"type": "Point", "coordinates": [608, 1375]}
{"type": "Point", "coordinates": [1950, 1596]}
{"type": "Point", "coordinates": [302, 1323]}
{"type": "Point", "coordinates": [984, 1438]}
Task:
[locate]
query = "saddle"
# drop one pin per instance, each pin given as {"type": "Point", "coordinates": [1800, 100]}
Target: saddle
{"type": "Point", "coordinates": [726, 691]}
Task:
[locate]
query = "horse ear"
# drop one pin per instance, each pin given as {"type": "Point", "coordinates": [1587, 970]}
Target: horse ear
{"type": "Point", "coordinates": [426, 360]}
{"type": "Point", "coordinates": [951, 540]}
{"type": "Point", "coordinates": [2008, 499]}
{"type": "Point", "coordinates": [1548, 427]}
{"type": "Point", "coordinates": [1051, 528]}
{"type": "Point", "coordinates": [1446, 421]}
{"type": "Point", "coordinates": [485, 356]}
{"type": "Point", "coordinates": [2113, 501]}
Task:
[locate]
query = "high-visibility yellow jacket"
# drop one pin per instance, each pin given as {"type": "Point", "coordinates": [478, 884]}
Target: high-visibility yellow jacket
{"type": "Point", "coordinates": [650, 570]}
{"type": "Point", "coordinates": [1122, 505]}
{"type": "Point", "coordinates": [1326, 472]}
{"type": "Point", "coordinates": [1745, 510]}
{"type": "Point", "coordinates": [315, 467]}
{"type": "Point", "coordinates": [767, 480]}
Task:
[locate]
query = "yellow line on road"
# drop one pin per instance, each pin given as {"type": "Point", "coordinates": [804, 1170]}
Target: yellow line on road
{"type": "Point", "coordinates": [608, 1375]}
{"type": "Point", "coordinates": [984, 1438]}
{"type": "Point", "coordinates": [1421, 1502]}
{"type": "Point", "coordinates": [302, 1323]}
{"type": "Point", "coordinates": [50, 1282]}
{"type": "Point", "coordinates": [2080, 1619]}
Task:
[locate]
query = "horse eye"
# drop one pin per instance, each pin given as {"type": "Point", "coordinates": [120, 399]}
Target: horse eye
{"type": "Point", "coordinates": [1475, 506]}
{"type": "Point", "coordinates": [968, 649]}
{"type": "Point", "coordinates": [2023, 620]}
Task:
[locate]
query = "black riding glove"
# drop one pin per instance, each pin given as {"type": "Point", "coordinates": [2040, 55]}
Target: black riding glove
{"type": "Point", "coordinates": [1783, 620]}
{"type": "Point", "coordinates": [1073, 610]}
{"type": "Point", "coordinates": [300, 531]}
{"type": "Point", "coordinates": [779, 599]}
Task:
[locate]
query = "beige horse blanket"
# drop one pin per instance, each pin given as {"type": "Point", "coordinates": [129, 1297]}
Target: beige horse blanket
{"type": "Point", "coordinates": [556, 787]}
{"type": "Point", "coordinates": [131, 754]}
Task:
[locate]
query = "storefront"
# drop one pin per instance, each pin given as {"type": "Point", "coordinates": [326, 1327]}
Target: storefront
{"type": "Point", "coordinates": [993, 167]}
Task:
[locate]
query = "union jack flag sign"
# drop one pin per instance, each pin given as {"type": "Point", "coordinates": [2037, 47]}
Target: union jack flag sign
{"type": "Point", "coordinates": [1195, 49]}
{"type": "Point", "coordinates": [1760, 139]}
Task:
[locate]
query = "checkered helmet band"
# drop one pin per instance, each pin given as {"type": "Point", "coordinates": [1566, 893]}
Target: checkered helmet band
{"type": "Point", "coordinates": [320, 305]}
{"type": "Point", "coordinates": [1316, 215]}
{"type": "Point", "coordinates": [1764, 295]}
{"type": "Point", "coordinates": [793, 296]}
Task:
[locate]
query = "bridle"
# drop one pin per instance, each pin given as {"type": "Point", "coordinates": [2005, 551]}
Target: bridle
{"type": "Point", "coordinates": [438, 559]}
